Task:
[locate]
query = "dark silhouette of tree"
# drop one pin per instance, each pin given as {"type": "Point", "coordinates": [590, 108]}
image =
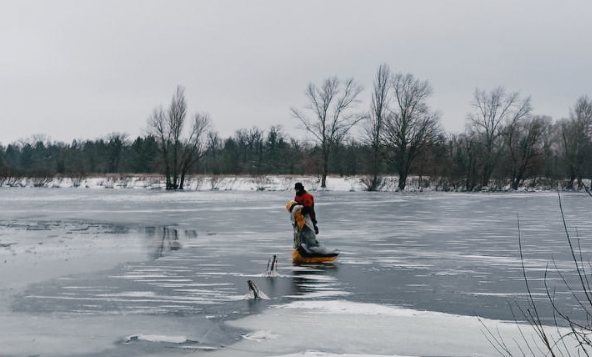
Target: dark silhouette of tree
{"type": "Point", "coordinates": [214, 147]}
{"type": "Point", "coordinates": [575, 139]}
{"type": "Point", "coordinates": [524, 142]}
{"type": "Point", "coordinates": [142, 155]}
{"type": "Point", "coordinates": [116, 144]}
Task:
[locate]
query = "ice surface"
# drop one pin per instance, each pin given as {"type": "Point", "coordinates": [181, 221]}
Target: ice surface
{"type": "Point", "coordinates": [91, 272]}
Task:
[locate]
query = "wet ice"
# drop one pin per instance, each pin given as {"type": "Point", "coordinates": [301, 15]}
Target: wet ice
{"type": "Point", "coordinates": [147, 269]}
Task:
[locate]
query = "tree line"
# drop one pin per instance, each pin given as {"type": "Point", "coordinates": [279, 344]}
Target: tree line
{"type": "Point", "coordinates": [399, 134]}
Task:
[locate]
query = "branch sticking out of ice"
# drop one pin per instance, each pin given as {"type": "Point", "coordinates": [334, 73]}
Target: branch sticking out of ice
{"type": "Point", "coordinates": [271, 267]}
{"type": "Point", "coordinates": [254, 292]}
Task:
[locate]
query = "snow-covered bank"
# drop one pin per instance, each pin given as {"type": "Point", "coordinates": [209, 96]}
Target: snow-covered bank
{"type": "Point", "coordinates": [192, 183]}
{"type": "Point", "coordinates": [238, 183]}
{"type": "Point", "coordinates": [200, 183]}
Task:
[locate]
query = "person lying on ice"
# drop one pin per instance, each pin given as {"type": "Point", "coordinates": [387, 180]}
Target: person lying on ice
{"type": "Point", "coordinates": [304, 232]}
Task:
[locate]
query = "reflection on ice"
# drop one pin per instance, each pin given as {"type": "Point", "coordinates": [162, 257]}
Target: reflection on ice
{"type": "Point", "coordinates": [166, 239]}
{"type": "Point", "coordinates": [271, 270]}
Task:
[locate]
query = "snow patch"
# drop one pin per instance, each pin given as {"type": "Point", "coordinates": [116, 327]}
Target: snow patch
{"type": "Point", "coordinates": [157, 338]}
{"type": "Point", "coordinates": [260, 336]}
{"type": "Point", "coordinates": [349, 307]}
{"type": "Point", "coordinates": [319, 294]}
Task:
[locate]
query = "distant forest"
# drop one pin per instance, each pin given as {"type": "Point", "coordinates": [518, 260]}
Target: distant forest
{"type": "Point", "coordinates": [504, 145]}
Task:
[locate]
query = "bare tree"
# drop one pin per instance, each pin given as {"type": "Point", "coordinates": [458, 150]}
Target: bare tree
{"type": "Point", "coordinates": [524, 140]}
{"type": "Point", "coordinates": [374, 126]}
{"type": "Point", "coordinates": [178, 154]}
{"type": "Point", "coordinates": [194, 147]}
{"type": "Point", "coordinates": [411, 126]}
{"type": "Point", "coordinates": [213, 148]}
{"type": "Point", "coordinates": [158, 127]}
{"type": "Point", "coordinates": [575, 137]}
{"type": "Point", "coordinates": [332, 106]}
{"type": "Point", "coordinates": [176, 118]}
{"type": "Point", "coordinates": [469, 160]}
{"type": "Point", "coordinates": [493, 110]}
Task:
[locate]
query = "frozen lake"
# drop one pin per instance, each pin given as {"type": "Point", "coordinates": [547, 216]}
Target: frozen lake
{"type": "Point", "coordinates": [95, 272]}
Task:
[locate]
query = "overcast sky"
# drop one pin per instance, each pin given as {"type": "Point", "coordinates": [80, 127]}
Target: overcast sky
{"type": "Point", "coordinates": [85, 69]}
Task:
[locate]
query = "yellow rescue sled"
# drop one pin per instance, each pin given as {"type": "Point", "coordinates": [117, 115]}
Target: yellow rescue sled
{"type": "Point", "coordinates": [301, 256]}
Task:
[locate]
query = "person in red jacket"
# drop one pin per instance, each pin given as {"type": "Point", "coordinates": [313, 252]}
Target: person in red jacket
{"type": "Point", "coordinates": [307, 200]}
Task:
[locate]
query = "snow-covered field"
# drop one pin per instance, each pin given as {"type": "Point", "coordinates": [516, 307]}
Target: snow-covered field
{"type": "Point", "coordinates": [91, 272]}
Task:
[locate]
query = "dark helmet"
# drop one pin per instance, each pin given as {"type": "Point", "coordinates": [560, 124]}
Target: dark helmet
{"type": "Point", "coordinates": [298, 186]}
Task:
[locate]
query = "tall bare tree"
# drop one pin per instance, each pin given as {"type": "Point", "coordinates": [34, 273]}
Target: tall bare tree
{"type": "Point", "coordinates": [493, 110]}
{"type": "Point", "coordinates": [576, 139]}
{"type": "Point", "coordinates": [176, 118]}
{"type": "Point", "coordinates": [411, 126]}
{"type": "Point", "coordinates": [194, 147]}
{"type": "Point", "coordinates": [374, 126]}
{"type": "Point", "coordinates": [178, 154]}
{"type": "Point", "coordinates": [214, 146]}
{"type": "Point", "coordinates": [333, 107]}
{"type": "Point", "coordinates": [159, 129]}
{"type": "Point", "coordinates": [467, 160]}
{"type": "Point", "coordinates": [524, 142]}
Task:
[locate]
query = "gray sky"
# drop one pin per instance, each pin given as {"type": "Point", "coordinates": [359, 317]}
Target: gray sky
{"type": "Point", "coordinates": [85, 69]}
